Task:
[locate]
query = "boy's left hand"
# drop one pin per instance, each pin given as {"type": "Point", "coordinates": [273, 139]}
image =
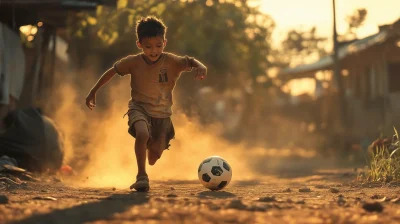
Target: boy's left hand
{"type": "Point", "coordinates": [201, 73]}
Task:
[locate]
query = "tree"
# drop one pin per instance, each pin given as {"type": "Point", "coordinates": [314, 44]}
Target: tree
{"type": "Point", "coordinates": [302, 46]}
{"type": "Point", "coordinates": [230, 37]}
{"type": "Point", "coordinates": [354, 22]}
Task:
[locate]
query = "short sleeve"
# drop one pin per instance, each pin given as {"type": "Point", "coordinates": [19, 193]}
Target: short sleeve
{"type": "Point", "coordinates": [184, 63]}
{"type": "Point", "coordinates": [123, 66]}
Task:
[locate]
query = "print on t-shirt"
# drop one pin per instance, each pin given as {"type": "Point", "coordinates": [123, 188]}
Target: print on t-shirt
{"type": "Point", "coordinates": [163, 77]}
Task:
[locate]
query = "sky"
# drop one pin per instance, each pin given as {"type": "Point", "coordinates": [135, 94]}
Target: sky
{"type": "Point", "coordinates": [289, 14]}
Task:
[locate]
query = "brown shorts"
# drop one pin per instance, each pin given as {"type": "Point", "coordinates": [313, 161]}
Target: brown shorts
{"type": "Point", "coordinates": [159, 128]}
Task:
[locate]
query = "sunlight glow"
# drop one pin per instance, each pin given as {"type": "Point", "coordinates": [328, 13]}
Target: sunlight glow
{"type": "Point", "coordinates": [302, 86]}
{"type": "Point", "coordinates": [293, 14]}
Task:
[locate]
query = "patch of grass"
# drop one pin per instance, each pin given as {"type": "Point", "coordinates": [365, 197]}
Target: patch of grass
{"type": "Point", "coordinates": [384, 161]}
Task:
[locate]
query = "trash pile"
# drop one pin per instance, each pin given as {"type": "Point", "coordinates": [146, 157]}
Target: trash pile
{"type": "Point", "coordinates": [30, 144]}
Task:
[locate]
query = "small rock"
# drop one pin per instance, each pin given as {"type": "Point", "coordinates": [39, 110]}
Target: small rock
{"type": "Point", "coordinates": [236, 204]}
{"type": "Point", "coordinates": [255, 208]}
{"type": "Point", "coordinates": [376, 196]}
{"type": "Point", "coordinates": [306, 189]}
{"type": "Point", "coordinates": [158, 199]}
{"type": "Point", "coordinates": [395, 200]}
{"type": "Point", "coordinates": [114, 188]}
{"type": "Point", "coordinates": [192, 194]}
{"type": "Point", "coordinates": [388, 179]}
{"type": "Point", "coordinates": [172, 188]}
{"type": "Point", "coordinates": [341, 200]}
{"type": "Point", "coordinates": [287, 190]}
{"type": "Point", "coordinates": [45, 198]}
{"type": "Point", "coordinates": [373, 207]}
{"type": "Point", "coordinates": [43, 190]}
{"type": "Point", "coordinates": [347, 174]}
{"type": "Point", "coordinates": [289, 200]}
{"type": "Point", "coordinates": [56, 179]}
{"type": "Point", "coordinates": [267, 199]}
{"type": "Point", "coordinates": [213, 207]}
{"type": "Point", "coordinates": [334, 190]}
{"type": "Point", "coordinates": [301, 202]}
{"type": "Point", "coordinates": [172, 195]}
{"type": "Point", "coordinates": [3, 199]}
{"type": "Point", "coordinates": [382, 199]}
{"type": "Point", "coordinates": [319, 186]}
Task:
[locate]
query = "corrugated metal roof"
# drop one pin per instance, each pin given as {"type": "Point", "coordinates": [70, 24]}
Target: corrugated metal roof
{"type": "Point", "coordinates": [54, 12]}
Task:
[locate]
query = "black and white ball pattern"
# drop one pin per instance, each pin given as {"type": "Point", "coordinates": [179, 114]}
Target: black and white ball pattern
{"type": "Point", "coordinates": [215, 173]}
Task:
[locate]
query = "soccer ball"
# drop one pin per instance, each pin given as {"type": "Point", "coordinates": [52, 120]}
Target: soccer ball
{"type": "Point", "coordinates": [215, 173]}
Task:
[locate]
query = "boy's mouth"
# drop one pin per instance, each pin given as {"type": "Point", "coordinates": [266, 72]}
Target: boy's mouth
{"type": "Point", "coordinates": [153, 55]}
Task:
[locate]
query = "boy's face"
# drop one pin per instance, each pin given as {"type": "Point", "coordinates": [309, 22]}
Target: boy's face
{"type": "Point", "coordinates": [152, 47]}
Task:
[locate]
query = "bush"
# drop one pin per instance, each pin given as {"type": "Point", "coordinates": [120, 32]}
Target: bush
{"type": "Point", "coordinates": [384, 160]}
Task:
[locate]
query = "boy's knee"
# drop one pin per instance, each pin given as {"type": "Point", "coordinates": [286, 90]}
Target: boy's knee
{"type": "Point", "coordinates": [141, 132]}
{"type": "Point", "coordinates": [142, 136]}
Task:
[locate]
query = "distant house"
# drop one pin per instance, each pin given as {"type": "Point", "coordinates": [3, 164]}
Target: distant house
{"type": "Point", "coordinates": [370, 68]}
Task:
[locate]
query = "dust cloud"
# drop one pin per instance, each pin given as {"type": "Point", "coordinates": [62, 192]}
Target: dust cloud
{"type": "Point", "coordinates": [100, 150]}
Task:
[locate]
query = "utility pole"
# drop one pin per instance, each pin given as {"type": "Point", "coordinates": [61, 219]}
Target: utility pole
{"type": "Point", "coordinates": [337, 73]}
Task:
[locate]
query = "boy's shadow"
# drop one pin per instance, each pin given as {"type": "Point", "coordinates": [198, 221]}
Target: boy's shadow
{"type": "Point", "coordinates": [98, 210]}
{"type": "Point", "coordinates": [216, 194]}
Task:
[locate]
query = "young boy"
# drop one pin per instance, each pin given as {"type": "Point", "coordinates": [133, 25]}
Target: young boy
{"type": "Point", "coordinates": [153, 77]}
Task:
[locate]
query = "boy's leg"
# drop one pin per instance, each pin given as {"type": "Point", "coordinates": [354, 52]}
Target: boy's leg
{"type": "Point", "coordinates": [162, 133]}
{"type": "Point", "coordinates": [142, 137]}
{"type": "Point", "coordinates": [156, 149]}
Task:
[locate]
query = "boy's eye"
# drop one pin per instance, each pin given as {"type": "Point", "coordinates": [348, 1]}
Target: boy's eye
{"type": "Point", "coordinates": [159, 46]}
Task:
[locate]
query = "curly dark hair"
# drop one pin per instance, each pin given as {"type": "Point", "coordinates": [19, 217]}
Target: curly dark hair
{"type": "Point", "coordinates": [150, 26]}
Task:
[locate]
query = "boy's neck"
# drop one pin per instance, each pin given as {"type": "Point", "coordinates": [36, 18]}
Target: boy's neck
{"type": "Point", "coordinates": [149, 62]}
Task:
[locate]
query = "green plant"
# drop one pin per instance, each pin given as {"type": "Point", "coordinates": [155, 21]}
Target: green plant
{"type": "Point", "coordinates": [384, 161]}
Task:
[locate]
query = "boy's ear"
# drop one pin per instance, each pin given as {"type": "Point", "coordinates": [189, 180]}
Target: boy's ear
{"type": "Point", "coordinates": [165, 42]}
{"type": "Point", "coordinates": [139, 45]}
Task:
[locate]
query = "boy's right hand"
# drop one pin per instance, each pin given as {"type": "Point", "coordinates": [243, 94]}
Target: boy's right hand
{"type": "Point", "coordinates": [91, 100]}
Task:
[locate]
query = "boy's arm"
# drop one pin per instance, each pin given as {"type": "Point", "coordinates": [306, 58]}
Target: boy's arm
{"type": "Point", "coordinates": [201, 70]}
{"type": "Point", "coordinates": [91, 97]}
{"type": "Point", "coordinates": [121, 68]}
{"type": "Point", "coordinates": [107, 76]}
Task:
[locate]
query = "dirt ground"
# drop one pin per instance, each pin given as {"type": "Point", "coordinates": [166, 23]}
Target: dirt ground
{"type": "Point", "coordinates": [330, 196]}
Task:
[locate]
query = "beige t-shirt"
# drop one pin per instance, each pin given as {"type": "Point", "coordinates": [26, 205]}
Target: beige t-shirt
{"type": "Point", "coordinates": [152, 84]}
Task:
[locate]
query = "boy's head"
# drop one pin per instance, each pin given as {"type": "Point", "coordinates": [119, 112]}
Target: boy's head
{"type": "Point", "coordinates": [150, 32]}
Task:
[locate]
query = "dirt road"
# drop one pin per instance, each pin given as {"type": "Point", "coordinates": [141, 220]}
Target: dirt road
{"type": "Point", "coordinates": [323, 197]}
